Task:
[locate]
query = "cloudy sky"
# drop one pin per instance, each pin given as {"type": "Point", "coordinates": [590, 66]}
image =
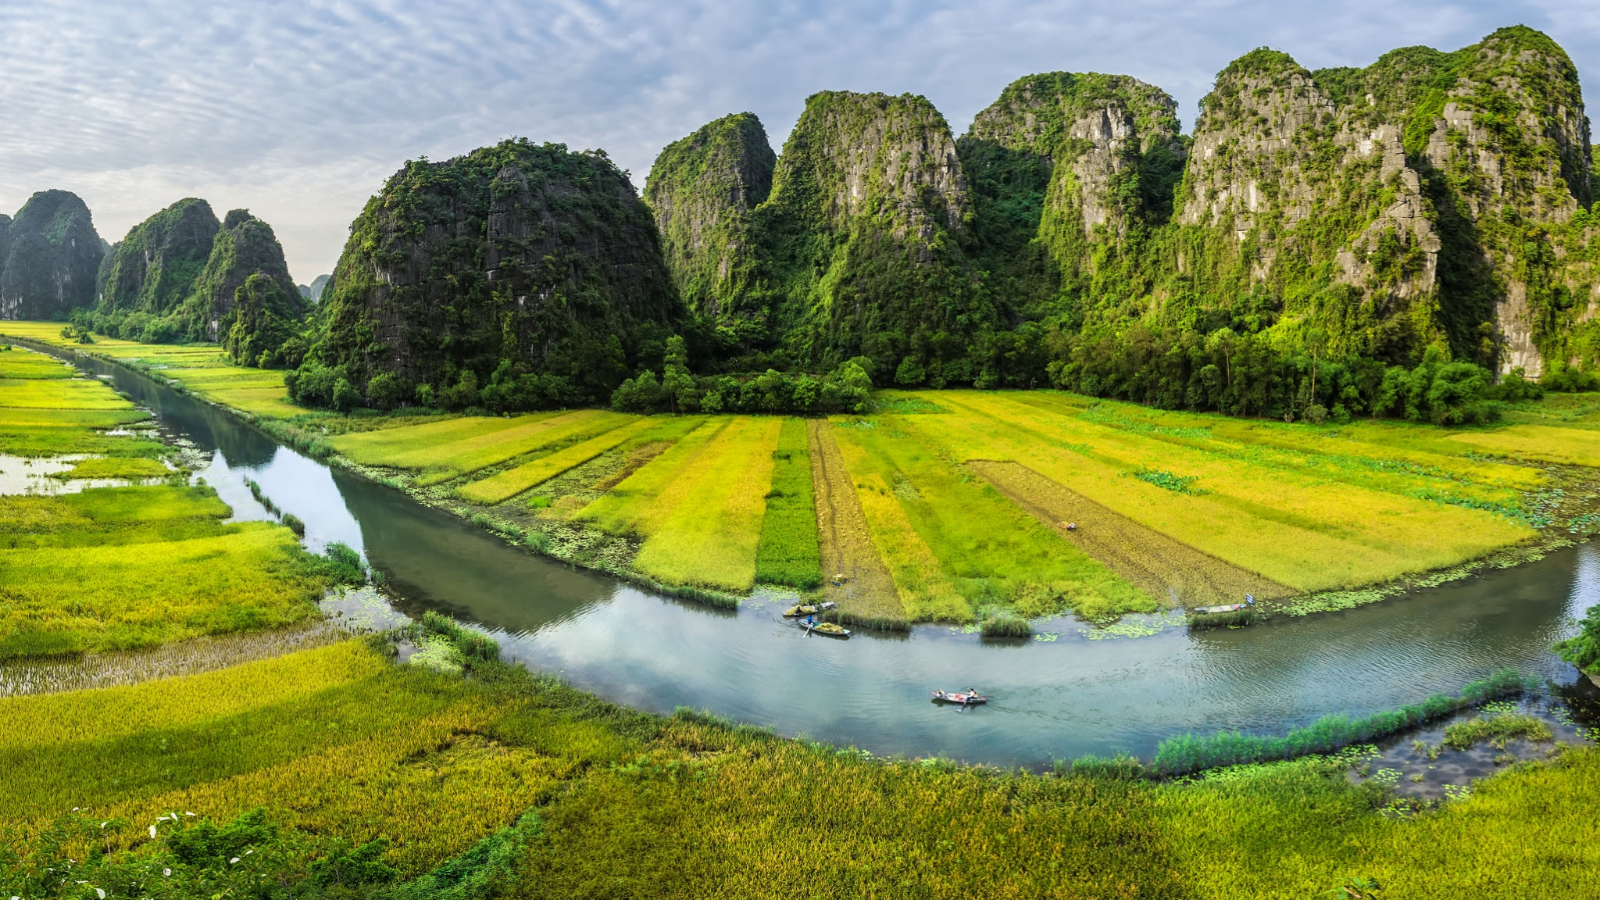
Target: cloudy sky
{"type": "Point", "coordinates": [299, 111]}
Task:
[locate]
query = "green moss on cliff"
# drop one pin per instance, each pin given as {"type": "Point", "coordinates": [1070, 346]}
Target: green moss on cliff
{"type": "Point", "coordinates": [153, 269]}
{"type": "Point", "coordinates": [702, 190]}
{"type": "Point", "coordinates": [521, 268]}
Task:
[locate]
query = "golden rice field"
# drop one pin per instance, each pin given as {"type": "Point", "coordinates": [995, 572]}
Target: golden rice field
{"type": "Point", "coordinates": [505, 485]}
{"type": "Point", "coordinates": [341, 747]}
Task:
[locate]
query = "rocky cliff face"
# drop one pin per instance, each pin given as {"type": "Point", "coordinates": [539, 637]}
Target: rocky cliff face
{"type": "Point", "coordinates": [313, 291]}
{"type": "Point", "coordinates": [702, 190]}
{"type": "Point", "coordinates": [53, 258]}
{"type": "Point", "coordinates": [520, 256]}
{"type": "Point", "coordinates": [244, 246]}
{"type": "Point", "coordinates": [154, 268]}
{"type": "Point", "coordinates": [1061, 160]}
{"type": "Point", "coordinates": [1425, 198]}
{"type": "Point", "coordinates": [864, 233]}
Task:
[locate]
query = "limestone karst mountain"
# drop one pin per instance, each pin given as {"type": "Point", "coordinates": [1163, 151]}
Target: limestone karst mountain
{"type": "Point", "coordinates": [522, 266]}
{"type": "Point", "coordinates": [152, 271]}
{"type": "Point", "coordinates": [703, 190]}
{"type": "Point", "coordinates": [51, 257]}
{"type": "Point", "coordinates": [313, 291]}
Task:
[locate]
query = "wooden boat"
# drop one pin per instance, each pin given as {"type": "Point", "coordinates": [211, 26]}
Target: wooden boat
{"type": "Point", "coordinates": [1227, 607]}
{"type": "Point", "coordinates": [959, 697]}
{"type": "Point", "coordinates": [806, 609]}
{"type": "Point", "coordinates": [827, 629]}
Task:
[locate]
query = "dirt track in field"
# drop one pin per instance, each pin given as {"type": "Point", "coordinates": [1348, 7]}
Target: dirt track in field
{"type": "Point", "coordinates": [1166, 569]}
{"type": "Point", "coordinates": [844, 540]}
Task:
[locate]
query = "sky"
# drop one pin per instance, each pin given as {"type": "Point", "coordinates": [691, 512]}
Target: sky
{"type": "Point", "coordinates": [300, 111]}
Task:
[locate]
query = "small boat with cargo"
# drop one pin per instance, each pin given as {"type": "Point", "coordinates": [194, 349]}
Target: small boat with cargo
{"type": "Point", "coordinates": [968, 697]}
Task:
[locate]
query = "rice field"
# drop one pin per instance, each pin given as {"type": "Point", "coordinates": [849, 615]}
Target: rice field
{"type": "Point", "coordinates": [1291, 524]}
{"type": "Point", "coordinates": [112, 569]}
{"type": "Point", "coordinates": [505, 485]}
{"type": "Point", "coordinates": [339, 747]}
{"type": "Point", "coordinates": [788, 553]}
{"type": "Point", "coordinates": [991, 552]}
{"type": "Point", "coordinates": [443, 451]}
{"type": "Point", "coordinates": [705, 528]}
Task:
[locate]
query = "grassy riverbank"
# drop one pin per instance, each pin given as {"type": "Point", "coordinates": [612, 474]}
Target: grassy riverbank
{"type": "Point", "coordinates": [340, 748]}
{"type": "Point", "coordinates": [954, 505]}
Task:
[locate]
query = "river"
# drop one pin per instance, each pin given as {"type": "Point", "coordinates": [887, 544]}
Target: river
{"type": "Point", "coordinates": [1050, 699]}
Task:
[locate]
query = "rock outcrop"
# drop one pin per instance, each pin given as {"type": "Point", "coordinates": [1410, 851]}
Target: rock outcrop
{"type": "Point", "coordinates": [244, 246]}
{"type": "Point", "coordinates": [52, 259]}
{"type": "Point", "coordinates": [153, 269]}
{"type": "Point", "coordinates": [1063, 157]}
{"type": "Point", "coordinates": [313, 291]}
{"type": "Point", "coordinates": [1425, 198]}
{"type": "Point", "coordinates": [515, 260]}
{"type": "Point", "coordinates": [703, 190]}
{"type": "Point", "coordinates": [863, 234]}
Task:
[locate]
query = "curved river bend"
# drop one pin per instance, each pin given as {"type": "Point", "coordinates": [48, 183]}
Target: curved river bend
{"type": "Point", "coordinates": [1050, 699]}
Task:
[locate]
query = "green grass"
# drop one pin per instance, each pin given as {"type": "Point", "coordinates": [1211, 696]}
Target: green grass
{"type": "Point", "coordinates": [118, 467]}
{"type": "Point", "coordinates": [340, 748]}
{"type": "Point", "coordinates": [788, 552]}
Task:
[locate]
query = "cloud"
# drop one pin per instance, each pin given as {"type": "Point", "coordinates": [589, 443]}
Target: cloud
{"type": "Point", "coordinates": [300, 110]}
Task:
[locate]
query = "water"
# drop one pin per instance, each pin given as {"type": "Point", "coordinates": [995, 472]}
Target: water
{"type": "Point", "coordinates": [1049, 700]}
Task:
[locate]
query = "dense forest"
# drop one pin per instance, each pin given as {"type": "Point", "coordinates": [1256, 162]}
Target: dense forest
{"type": "Point", "coordinates": [1411, 239]}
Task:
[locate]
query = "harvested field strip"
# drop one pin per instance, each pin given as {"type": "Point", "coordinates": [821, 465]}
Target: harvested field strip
{"type": "Point", "coordinates": [58, 393]}
{"type": "Point", "coordinates": [788, 553]}
{"type": "Point", "coordinates": [1160, 566]}
{"type": "Point", "coordinates": [925, 593]}
{"type": "Point", "coordinates": [868, 594]}
{"type": "Point", "coordinates": [619, 511]}
{"type": "Point", "coordinates": [502, 487]}
{"type": "Point", "coordinates": [705, 528]}
{"type": "Point", "coordinates": [991, 551]}
{"type": "Point", "coordinates": [1297, 531]}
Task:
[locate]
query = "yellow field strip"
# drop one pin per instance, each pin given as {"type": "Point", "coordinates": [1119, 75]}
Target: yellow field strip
{"type": "Point", "coordinates": [620, 510]}
{"type": "Point", "coordinates": [705, 528]}
{"type": "Point", "coordinates": [924, 591]}
{"type": "Point", "coordinates": [502, 487]}
{"type": "Point", "coordinates": [1300, 531]}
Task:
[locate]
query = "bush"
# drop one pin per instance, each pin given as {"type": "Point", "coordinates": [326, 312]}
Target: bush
{"type": "Point", "coordinates": [1583, 648]}
{"type": "Point", "coordinates": [1006, 625]}
{"type": "Point", "coordinates": [384, 391]}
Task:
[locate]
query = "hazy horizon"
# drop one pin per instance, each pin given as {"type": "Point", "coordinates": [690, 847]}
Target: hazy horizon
{"type": "Point", "coordinates": [299, 112]}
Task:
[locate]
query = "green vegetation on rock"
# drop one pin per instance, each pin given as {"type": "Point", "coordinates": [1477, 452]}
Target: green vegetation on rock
{"type": "Point", "coordinates": [49, 256]}
{"type": "Point", "coordinates": [520, 267]}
